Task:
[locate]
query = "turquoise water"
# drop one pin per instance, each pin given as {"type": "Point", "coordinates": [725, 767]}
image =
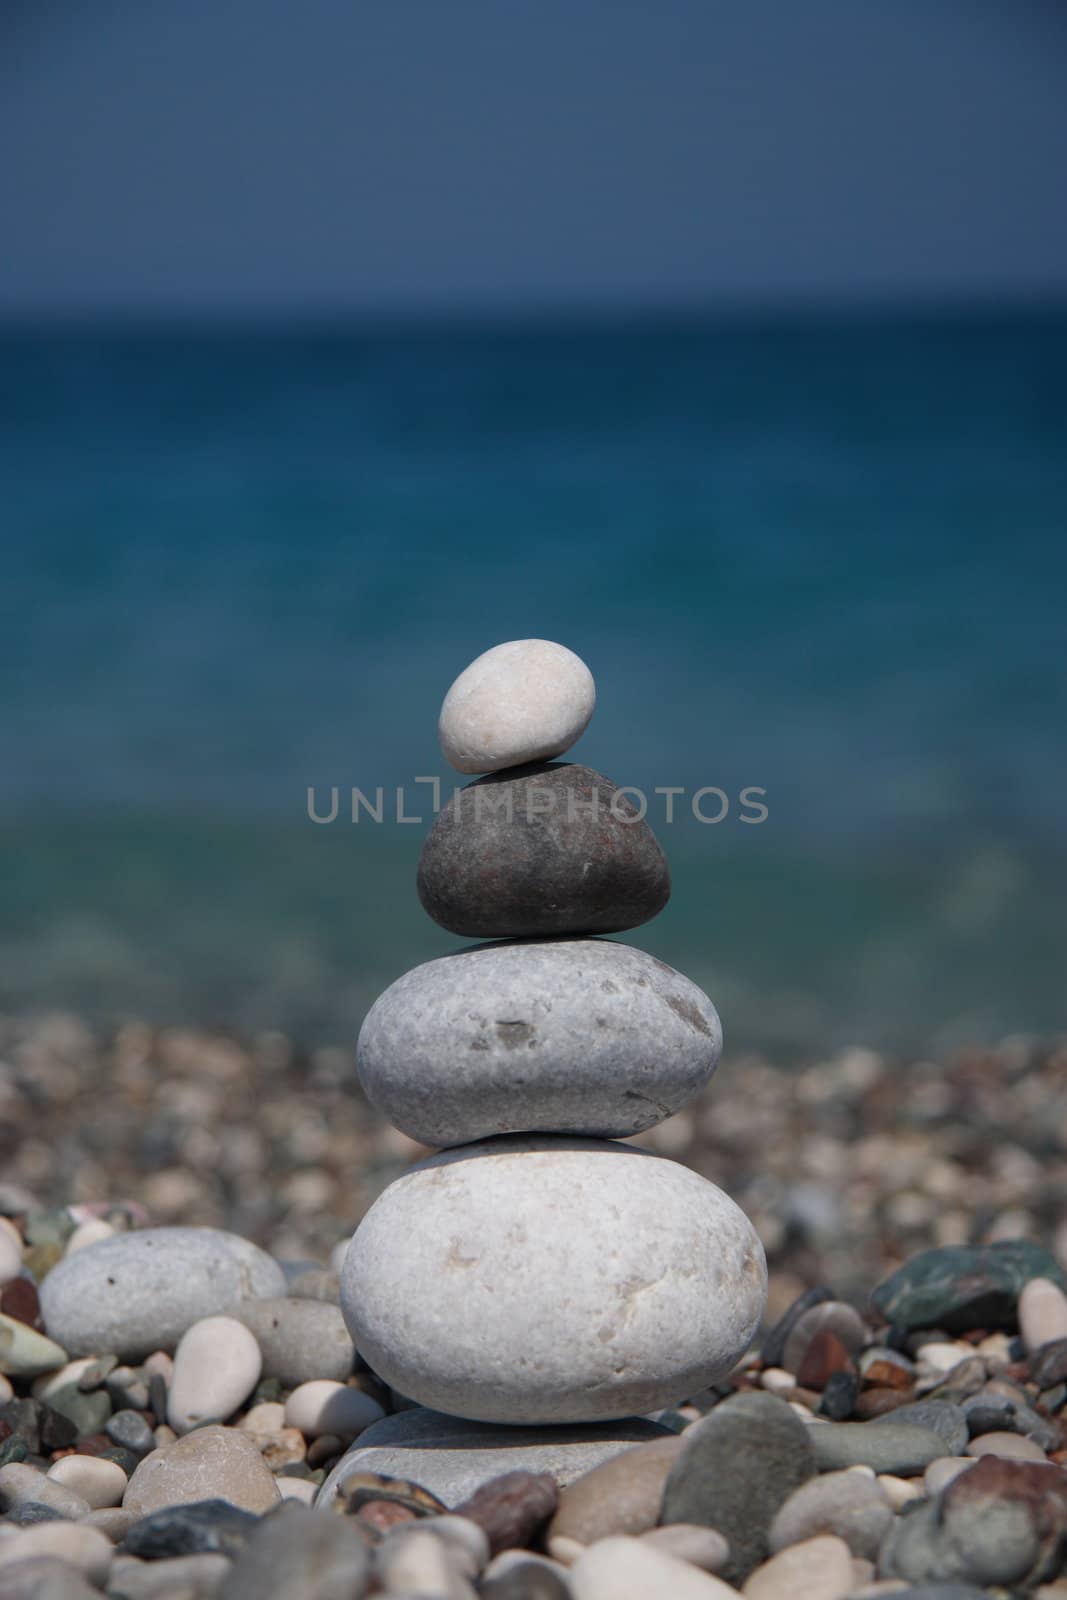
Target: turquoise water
{"type": "Point", "coordinates": [822, 557]}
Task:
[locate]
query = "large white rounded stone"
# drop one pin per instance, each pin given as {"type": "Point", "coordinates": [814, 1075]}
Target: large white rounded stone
{"type": "Point", "coordinates": [139, 1292]}
{"type": "Point", "coordinates": [556, 1036]}
{"type": "Point", "coordinates": [527, 700]}
{"type": "Point", "coordinates": [531, 1280]}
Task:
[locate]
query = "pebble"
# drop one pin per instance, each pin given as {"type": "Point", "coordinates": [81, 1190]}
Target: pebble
{"type": "Point", "coordinates": [94, 1231]}
{"type": "Point", "coordinates": [1013, 1446]}
{"type": "Point", "coordinates": [411, 1561]}
{"type": "Point", "coordinates": [213, 1462]}
{"type": "Point", "coordinates": [774, 1343]}
{"type": "Point", "coordinates": [621, 1497]}
{"type": "Point", "coordinates": [10, 1251]}
{"type": "Point", "coordinates": [944, 1357]}
{"type": "Point", "coordinates": [526, 700]}
{"type": "Point", "coordinates": [140, 1291]}
{"type": "Point", "coordinates": [899, 1491]}
{"type": "Point", "coordinates": [24, 1352]}
{"type": "Point", "coordinates": [302, 1489]}
{"type": "Point", "coordinates": [325, 1406]}
{"type": "Point", "coordinates": [453, 1458]}
{"type": "Point", "coordinates": [216, 1366]}
{"type": "Point", "coordinates": [210, 1525]}
{"type": "Point", "coordinates": [736, 1468]}
{"type": "Point", "coordinates": [468, 1540]}
{"type": "Point", "coordinates": [1048, 1364]}
{"type": "Point", "coordinates": [553, 850]}
{"type": "Point", "coordinates": [578, 1036]}
{"type": "Point", "coordinates": [939, 1474]}
{"type": "Point", "coordinates": [829, 1316]}
{"type": "Point", "coordinates": [511, 1508]}
{"type": "Point", "coordinates": [1042, 1313]}
{"type": "Point", "coordinates": [633, 1569]}
{"type": "Point", "coordinates": [300, 1339]}
{"type": "Point", "coordinates": [22, 1485]}
{"type": "Point", "coordinates": [130, 1430]}
{"type": "Point", "coordinates": [266, 1417]}
{"type": "Point", "coordinates": [703, 1547]}
{"type": "Point", "coordinates": [101, 1483]}
{"type": "Point", "coordinates": [900, 1448]}
{"type": "Point", "coordinates": [651, 1315]}
{"type": "Point", "coordinates": [6, 1391]}
{"type": "Point", "coordinates": [943, 1417]}
{"type": "Point", "coordinates": [298, 1555]}
{"type": "Point", "coordinates": [197, 1577]}
{"type": "Point", "coordinates": [112, 1522]}
{"type": "Point", "coordinates": [818, 1569]}
{"type": "Point", "coordinates": [959, 1287]}
{"type": "Point", "coordinates": [524, 1575]}
{"type": "Point", "coordinates": [849, 1504]}
{"type": "Point", "coordinates": [84, 1549]}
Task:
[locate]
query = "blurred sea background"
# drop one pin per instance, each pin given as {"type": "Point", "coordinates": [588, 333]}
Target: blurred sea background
{"type": "Point", "coordinates": [821, 554]}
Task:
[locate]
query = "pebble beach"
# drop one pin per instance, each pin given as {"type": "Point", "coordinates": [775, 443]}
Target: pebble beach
{"type": "Point", "coordinates": [512, 1300]}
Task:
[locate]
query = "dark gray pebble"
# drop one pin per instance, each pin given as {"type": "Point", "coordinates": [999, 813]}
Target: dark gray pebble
{"type": "Point", "coordinates": [186, 1530]}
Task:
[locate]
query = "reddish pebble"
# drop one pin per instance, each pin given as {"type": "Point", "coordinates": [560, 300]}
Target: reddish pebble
{"type": "Point", "coordinates": [887, 1375]}
{"type": "Point", "coordinates": [511, 1508]}
{"type": "Point", "coordinates": [877, 1402]}
{"type": "Point", "coordinates": [18, 1299]}
{"type": "Point", "coordinates": [825, 1355]}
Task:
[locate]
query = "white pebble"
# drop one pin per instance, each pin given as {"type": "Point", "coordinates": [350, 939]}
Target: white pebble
{"type": "Point", "coordinates": [87, 1549]}
{"type": "Point", "coordinates": [777, 1380]}
{"type": "Point", "coordinates": [99, 1481]}
{"type": "Point", "coordinates": [302, 1489]}
{"type": "Point", "coordinates": [900, 1491]}
{"type": "Point", "coordinates": [324, 1406]}
{"type": "Point", "coordinates": [526, 700]}
{"type": "Point", "coordinates": [818, 1569]}
{"type": "Point", "coordinates": [95, 1231]}
{"type": "Point", "coordinates": [10, 1251]}
{"type": "Point", "coordinates": [621, 1568]}
{"type": "Point", "coordinates": [940, 1473]}
{"type": "Point", "coordinates": [267, 1417]}
{"type": "Point", "coordinates": [337, 1255]}
{"type": "Point", "coordinates": [1011, 1445]}
{"type": "Point", "coordinates": [6, 1391]}
{"type": "Point", "coordinates": [1042, 1313]}
{"type": "Point", "coordinates": [942, 1357]}
{"type": "Point", "coordinates": [216, 1366]}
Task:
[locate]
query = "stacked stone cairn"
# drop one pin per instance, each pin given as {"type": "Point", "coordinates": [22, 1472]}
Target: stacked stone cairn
{"type": "Point", "coordinates": [538, 1291]}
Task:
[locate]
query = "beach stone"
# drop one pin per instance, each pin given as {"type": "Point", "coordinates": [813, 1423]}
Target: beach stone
{"type": "Point", "coordinates": [959, 1287]}
{"type": "Point", "coordinates": [22, 1485]}
{"type": "Point", "coordinates": [10, 1252]}
{"type": "Point", "coordinates": [24, 1352]}
{"type": "Point", "coordinates": [295, 1554]}
{"type": "Point", "coordinates": [848, 1504]}
{"type": "Point", "coordinates": [900, 1448]}
{"type": "Point", "coordinates": [210, 1463]}
{"type": "Point", "coordinates": [318, 1283]}
{"type": "Point", "coordinates": [943, 1417]}
{"type": "Point", "coordinates": [1000, 1523]}
{"type": "Point", "coordinates": [325, 1406]}
{"type": "Point", "coordinates": [99, 1482]}
{"type": "Point", "coordinates": [201, 1527]}
{"type": "Point", "coordinates": [939, 1474]}
{"type": "Point", "coordinates": [130, 1431]}
{"type": "Point", "coordinates": [541, 851]}
{"type": "Point", "coordinates": [216, 1367]}
{"type": "Point", "coordinates": [621, 1497]}
{"type": "Point", "coordinates": [665, 1277]}
{"type": "Point", "coordinates": [411, 1561]}
{"type": "Point", "coordinates": [526, 700]}
{"type": "Point", "coordinates": [826, 1317]}
{"type": "Point", "coordinates": [1048, 1364]}
{"type": "Point", "coordinates": [818, 1569]}
{"type": "Point", "coordinates": [524, 1575]}
{"type": "Point", "coordinates": [84, 1549]}
{"type": "Point", "coordinates": [467, 1540]}
{"type": "Point", "coordinates": [510, 1509]}
{"type": "Point", "coordinates": [300, 1339]}
{"type": "Point", "coordinates": [453, 1458]}
{"type": "Point", "coordinates": [773, 1346]}
{"type": "Point", "coordinates": [1042, 1313]}
{"type": "Point", "coordinates": [303, 1490]}
{"type": "Point", "coordinates": [632, 1569]}
{"type": "Point", "coordinates": [112, 1521]}
{"type": "Point", "coordinates": [703, 1547]}
{"type": "Point", "coordinates": [140, 1291]}
{"type": "Point", "coordinates": [196, 1577]}
{"type": "Point", "coordinates": [46, 1578]}
{"type": "Point", "coordinates": [736, 1467]}
{"type": "Point", "coordinates": [1014, 1446]}
{"type": "Point", "coordinates": [578, 1036]}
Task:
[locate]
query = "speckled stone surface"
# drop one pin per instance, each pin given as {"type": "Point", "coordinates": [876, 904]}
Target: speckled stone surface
{"type": "Point", "coordinates": [452, 1458]}
{"type": "Point", "coordinates": [540, 851]}
{"type": "Point", "coordinates": [535, 1280]}
{"type": "Point", "coordinates": [525, 700]}
{"type": "Point", "coordinates": [574, 1035]}
{"type": "Point", "coordinates": [140, 1291]}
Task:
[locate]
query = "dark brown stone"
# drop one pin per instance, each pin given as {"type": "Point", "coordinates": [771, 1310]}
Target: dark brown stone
{"type": "Point", "coordinates": [824, 1356]}
{"type": "Point", "coordinates": [879, 1403]}
{"type": "Point", "coordinates": [512, 1508]}
{"type": "Point", "coordinates": [18, 1299]}
{"type": "Point", "coordinates": [521, 853]}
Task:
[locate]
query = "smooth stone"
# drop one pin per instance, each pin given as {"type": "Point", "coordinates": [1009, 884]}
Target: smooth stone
{"type": "Point", "coordinates": [665, 1278]}
{"type": "Point", "coordinates": [100, 1482]}
{"type": "Point", "coordinates": [203, 1526]}
{"type": "Point", "coordinates": [1042, 1313]}
{"type": "Point", "coordinates": [411, 1561]}
{"type": "Point", "coordinates": [541, 853]}
{"type": "Point", "coordinates": [467, 1540]}
{"type": "Point", "coordinates": [945, 1470]}
{"type": "Point", "coordinates": [302, 1489]}
{"type": "Point", "coordinates": [632, 1569]}
{"type": "Point", "coordinates": [1048, 1364]}
{"type": "Point", "coordinates": [326, 1406]}
{"type": "Point", "coordinates": [24, 1352]}
{"type": "Point", "coordinates": [130, 1431]}
{"type": "Point", "coordinates": [774, 1342]}
{"type": "Point", "coordinates": [453, 1458]}
{"type": "Point", "coordinates": [829, 1316]}
{"type": "Point", "coordinates": [899, 1492]}
{"type": "Point", "coordinates": [522, 701]}
{"type": "Point", "coordinates": [87, 1413]}
{"type": "Point", "coordinates": [296, 1554]}
{"type": "Point", "coordinates": [943, 1417]}
{"type": "Point", "coordinates": [848, 1504]}
{"type": "Point", "coordinates": [512, 1508]}
{"type": "Point", "coordinates": [196, 1577]}
{"type": "Point", "coordinates": [900, 1448]}
{"type": "Point", "coordinates": [10, 1252]}
{"type": "Point", "coordinates": [112, 1522]}
{"type": "Point", "coordinates": [210, 1463]}
{"type": "Point", "coordinates": [524, 1575]}
{"type": "Point", "coordinates": [818, 1569]}
{"type": "Point", "coordinates": [84, 1549]}
{"type": "Point", "coordinates": [46, 1578]}
{"type": "Point", "coordinates": [300, 1339]}
{"type": "Point", "coordinates": [578, 1036]}
{"type": "Point", "coordinates": [318, 1283]}
{"type": "Point", "coordinates": [216, 1366]}
{"type": "Point", "coordinates": [6, 1391]}
{"type": "Point", "coordinates": [139, 1292]}
{"type": "Point", "coordinates": [22, 1485]}
{"type": "Point", "coordinates": [703, 1547]}
{"type": "Point", "coordinates": [959, 1287]}
{"type": "Point", "coordinates": [736, 1468]}
{"type": "Point", "coordinates": [621, 1497]}
{"type": "Point", "coordinates": [1013, 1446]}
{"type": "Point", "coordinates": [94, 1231]}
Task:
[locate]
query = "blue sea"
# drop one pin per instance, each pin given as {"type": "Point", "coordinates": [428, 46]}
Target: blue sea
{"type": "Point", "coordinates": [822, 556]}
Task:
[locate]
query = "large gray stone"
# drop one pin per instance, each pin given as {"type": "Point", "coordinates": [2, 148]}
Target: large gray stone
{"type": "Point", "coordinates": [543, 1279]}
{"type": "Point", "coordinates": [542, 850]}
{"type": "Point", "coordinates": [139, 1292]}
{"type": "Point", "coordinates": [299, 1339]}
{"type": "Point", "coordinates": [558, 1036]}
{"type": "Point", "coordinates": [453, 1458]}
